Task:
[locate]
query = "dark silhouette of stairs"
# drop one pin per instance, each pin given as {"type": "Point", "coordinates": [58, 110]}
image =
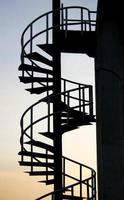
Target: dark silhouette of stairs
{"type": "Point", "coordinates": [76, 106]}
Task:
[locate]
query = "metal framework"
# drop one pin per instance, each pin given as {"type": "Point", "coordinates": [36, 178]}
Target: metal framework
{"type": "Point", "coordinates": [66, 104]}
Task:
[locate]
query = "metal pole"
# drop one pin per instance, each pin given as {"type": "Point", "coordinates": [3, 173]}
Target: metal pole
{"type": "Point", "coordinates": [57, 100]}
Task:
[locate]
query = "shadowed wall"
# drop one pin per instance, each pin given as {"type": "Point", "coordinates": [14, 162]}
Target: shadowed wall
{"type": "Point", "coordinates": [110, 100]}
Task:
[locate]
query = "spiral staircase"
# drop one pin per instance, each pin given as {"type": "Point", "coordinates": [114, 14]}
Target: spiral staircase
{"type": "Point", "coordinates": [75, 100]}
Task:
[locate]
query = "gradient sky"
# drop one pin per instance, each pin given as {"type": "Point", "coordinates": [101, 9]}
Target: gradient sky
{"type": "Point", "coordinates": [15, 15]}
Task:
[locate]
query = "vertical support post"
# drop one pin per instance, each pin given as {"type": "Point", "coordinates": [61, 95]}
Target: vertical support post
{"type": "Point", "coordinates": [22, 139]}
{"type": "Point", "coordinates": [63, 184]}
{"type": "Point", "coordinates": [72, 191]}
{"type": "Point", "coordinates": [68, 105]}
{"type": "Point", "coordinates": [79, 97]}
{"type": "Point", "coordinates": [31, 49]}
{"type": "Point", "coordinates": [64, 91]}
{"type": "Point", "coordinates": [88, 190]}
{"type": "Point", "coordinates": [82, 21]}
{"type": "Point", "coordinates": [47, 31]}
{"type": "Point", "coordinates": [57, 101]}
{"type": "Point", "coordinates": [94, 187]}
{"type": "Point", "coordinates": [46, 164]}
{"type": "Point", "coordinates": [89, 18]}
{"type": "Point", "coordinates": [31, 135]}
{"type": "Point", "coordinates": [47, 76]}
{"type": "Point", "coordinates": [83, 97]}
{"type": "Point", "coordinates": [66, 21]}
{"type": "Point", "coordinates": [92, 183]}
{"type": "Point", "coordinates": [80, 181]}
{"type": "Point", "coordinates": [48, 115]}
{"type": "Point", "coordinates": [85, 25]}
{"type": "Point", "coordinates": [22, 54]}
{"type": "Point", "coordinates": [91, 100]}
{"type": "Point", "coordinates": [62, 17]}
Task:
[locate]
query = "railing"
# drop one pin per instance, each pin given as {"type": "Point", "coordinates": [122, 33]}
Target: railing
{"type": "Point", "coordinates": [85, 20]}
{"type": "Point", "coordinates": [74, 95]}
{"type": "Point", "coordinates": [84, 188]}
{"type": "Point", "coordinates": [80, 97]}
{"type": "Point", "coordinates": [75, 99]}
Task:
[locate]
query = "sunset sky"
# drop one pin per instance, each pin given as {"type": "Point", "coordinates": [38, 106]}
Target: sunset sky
{"type": "Point", "coordinates": [79, 145]}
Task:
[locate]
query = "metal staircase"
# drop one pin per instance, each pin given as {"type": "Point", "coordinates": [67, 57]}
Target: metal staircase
{"type": "Point", "coordinates": [75, 100]}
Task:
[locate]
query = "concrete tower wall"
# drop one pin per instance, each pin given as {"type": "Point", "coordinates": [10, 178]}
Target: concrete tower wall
{"type": "Point", "coordinates": [110, 99]}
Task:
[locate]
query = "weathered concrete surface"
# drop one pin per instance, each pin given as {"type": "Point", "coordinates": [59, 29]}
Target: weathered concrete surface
{"type": "Point", "coordinates": [110, 99]}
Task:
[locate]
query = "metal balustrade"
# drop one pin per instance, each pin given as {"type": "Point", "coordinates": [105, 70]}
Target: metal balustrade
{"type": "Point", "coordinates": [75, 98]}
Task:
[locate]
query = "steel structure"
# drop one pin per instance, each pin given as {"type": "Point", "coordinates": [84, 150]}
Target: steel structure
{"type": "Point", "coordinates": [65, 105]}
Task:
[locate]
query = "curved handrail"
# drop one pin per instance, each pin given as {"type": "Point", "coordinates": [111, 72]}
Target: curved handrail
{"type": "Point", "coordinates": [78, 163]}
{"type": "Point", "coordinates": [61, 25]}
{"type": "Point", "coordinates": [42, 100]}
{"type": "Point", "coordinates": [54, 95]}
{"type": "Point", "coordinates": [53, 11]}
{"type": "Point", "coordinates": [85, 182]}
{"type": "Point", "coordinates": [66, 93]}
{"type": "Point", "coordinates": [42, 118]}
{"type": "Point", "coordinates": [64, 189]}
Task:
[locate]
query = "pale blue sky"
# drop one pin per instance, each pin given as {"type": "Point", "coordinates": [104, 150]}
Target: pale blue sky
{"type": "Point", "coordinates": [15, 15]}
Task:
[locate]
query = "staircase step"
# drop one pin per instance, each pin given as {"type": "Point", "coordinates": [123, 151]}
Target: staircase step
{"type": "Point", "coordinates": [76, 113]}
{"type": "Point", "coordinates": [39, 90]}
{"type": "Point", "coordinates": [25, 67]}
{"type": "Point", "coordinates": [41, 173]}
{"type": "Point", "coordinates": [36, 155]}
{"type": "Point", "coordinates": [49, 98]}
{"type": "Point", "coordinates": [48, 48]}
{"type": "Point", "coordinates": [69, 120]}
{"type": "Point", "coordinates": [71, 197]}
{"type": "Point", "coordinates": [34, 79]}
{"type": "Point", "coordinates": [48, 182]}
{"type": "Point", "coordinates": [36, 164]}
{"type": "Point", "coordinates": [63, 105]}
{"type": "Point", "coordinates": [65, 114]}
{"type": "Point", "coordinates": [37, 57]}
{"type": "Point", "coordinates": [41, 145]}
{"type": "Point", "coordinates": [65, 128]}
{"type": "Point", "coordinates": [48, 135]}
{"type": "Point", "coordinates": [75, 124]}
{"type": "Point", "coordinates": [84, 43]}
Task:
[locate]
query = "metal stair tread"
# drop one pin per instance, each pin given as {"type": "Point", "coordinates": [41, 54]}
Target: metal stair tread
{"type": "Point", "coordinates": [76, 121]}
{"type": "Point", "coordinates": [85, 43]}
{"type": "Point", "coordinates": [41, 173]}
{"type": "Point", "coordinates": [48, 182]}
{"type": "Point", "coordinates": [38, 57]}
{"type": "Point", "coordinates": [71, 197]}
{"type": "Point", "coordinates": [36, 164]}
{"type": "Point", "coordinates": [48, 48]}
{"type": "Point", "coordinates": [39, 90]}
{"type": "Point", "coordinates": [47, 134]}
{"type": "Point", "coordinates": [41, 145]}
{"type": "Point", "coordinates": [36, 155]}
{"type": "Point", "coordinates": [28, 79]}
{"type": "Point", "coordinates": [26, 67]}
{"type": "Point", "coordinates": [66, 128]}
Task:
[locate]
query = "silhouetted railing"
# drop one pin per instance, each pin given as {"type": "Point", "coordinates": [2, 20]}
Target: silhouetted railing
{"type": "Point", "coordinates": [86, 20]}
{"type": "Point", "coordinates": [85, 188]}
{"type": "Point", "coordinates": [75, 97]}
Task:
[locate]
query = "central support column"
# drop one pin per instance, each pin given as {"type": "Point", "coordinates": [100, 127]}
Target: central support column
{"type": "Point", "coordinates": [57, 101]}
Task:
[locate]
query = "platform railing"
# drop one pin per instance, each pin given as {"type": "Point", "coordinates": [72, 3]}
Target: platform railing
{"type": "Point", "coordinates": [35, 33]}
